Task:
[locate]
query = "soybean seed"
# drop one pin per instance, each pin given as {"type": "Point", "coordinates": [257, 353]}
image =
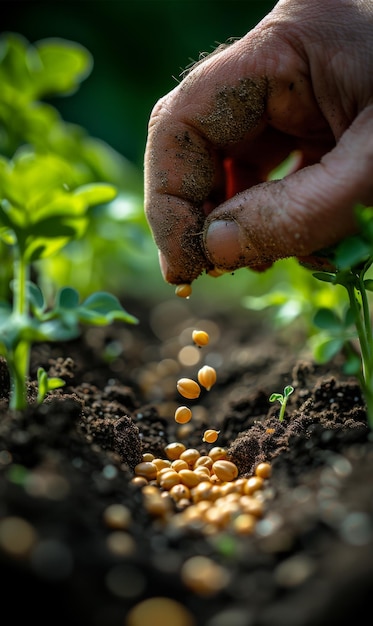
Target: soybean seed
{"type": "Point", "coordinates": [173, 450]}
{"type": "Point", "coordinates": [207, 377]}
{"type": "Point", "coordinates": [200, 337]}
{"type": "Point", "coordinates": [183, 415]}
{"type": "Point", "coordinates": [147, 469]}
{"type": "Point", "coordinates": [263, 470]}
{"type": "Point", "coordinates": [183, 291]}
{"type": "Point", "coordinates": [217, 453]}
{"type": "Point", "coordinates": [188, 388]}
{"type": "Point", "coordinates": [210, 436]}
{"type": "Point", "coordinates": [225, 470]}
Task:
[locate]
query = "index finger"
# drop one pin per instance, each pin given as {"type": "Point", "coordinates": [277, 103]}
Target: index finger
{"type": "Point", "coordinates": [188, 131]}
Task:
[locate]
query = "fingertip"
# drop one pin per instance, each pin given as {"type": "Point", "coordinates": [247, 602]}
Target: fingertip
{"type": "Point", "coordinates": [226, 247]}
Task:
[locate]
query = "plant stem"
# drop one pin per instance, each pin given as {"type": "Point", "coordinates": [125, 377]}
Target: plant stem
{"type": "Point", "coordinates": [19, 359]}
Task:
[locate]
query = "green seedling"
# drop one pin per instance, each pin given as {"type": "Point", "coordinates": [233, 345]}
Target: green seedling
{"type": "Point", "coordinates": [351, 332]}
{"type": "Point", "coordinates": [282, 399]}
{"type": "Point", "coordinates": [41, 211]}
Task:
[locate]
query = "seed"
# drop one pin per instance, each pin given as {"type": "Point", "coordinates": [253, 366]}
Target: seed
{"type": "Point", "coordinates": [203, 576]}
{"type": "Point", "coordinates": [210, 436]}
{"type": "Point", "coordinates": [147, 456]}
{"type": "Point", "coordinates": [189, 478]}
{"type": "Point", "coordinates": [179, 492]}
{"type": "Point", "coordinates": [169, 479]}
{"type": "Point", "coordinates": [179, 465]}
{"type": "Point", "coordinates": [183, 291]}
{"type": "Point", "coordinates": [207, 377]}
{"type": "Point", "coordinates": [159, 610]}
{"type": "Point", "coordinates": [200, 337]}
{"type": "Point", "coordinates": [225, 470]}
{"type": "Point", "coordinates": [217, 453]}
{"type": "Point", "coordinates": [139, 481]}
{"type": "Point", "coordinates": [204, 461]}
{"type": "Point", "coordinates": [173, 450]}
{"type": "Point", "coordinates": [117, 516]}
{"type": "Point", "coordinates": [183, 414]}
{"type": "Point", "coordinates": [190, 455]}
{"type": "Point", "coordinates": [253, 484]}
{"type": "Point", "coordinates": [244, 524]}
{"type": "Point", "coordinates": [188, 388]}
{"type": "Point", "coordinates": [263, 470]}
{"type": "Point", "coordinates": [161, 463]}
{"type": "Point", "coordinates": [147, 469]}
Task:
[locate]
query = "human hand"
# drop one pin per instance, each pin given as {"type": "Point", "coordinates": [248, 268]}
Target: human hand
{"type": "Point", "coordinates": [301, 80]}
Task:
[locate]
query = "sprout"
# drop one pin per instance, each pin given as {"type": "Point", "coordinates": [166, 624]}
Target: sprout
{"type": "Point", "coordinates": [282, 399]}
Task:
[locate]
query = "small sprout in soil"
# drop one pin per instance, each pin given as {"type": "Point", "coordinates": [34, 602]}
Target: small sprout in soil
{"type": "Point", "coordinates": [200, 337]}
{"type": "Point", "coordinates": [210, 436]}
{"type": "Point", "coordinates": [183, 291]}
{"type": "Point", "coordinates": [207, 377]}
{"type": "Point", "coordinates": [282, 399]}
{"type": "Point", "coordinates": [183, 415]}
{"type": "Point", "coordinates": [188, 388]}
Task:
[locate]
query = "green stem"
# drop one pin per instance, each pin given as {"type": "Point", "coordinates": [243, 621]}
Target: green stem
{"type": "Point", "coordinates": [19, 359]}
{"type": "Point", "coordinates": [364, 331]}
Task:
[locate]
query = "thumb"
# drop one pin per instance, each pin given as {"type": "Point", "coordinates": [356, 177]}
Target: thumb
{"type": "Point", "coordinates": [300, 214]}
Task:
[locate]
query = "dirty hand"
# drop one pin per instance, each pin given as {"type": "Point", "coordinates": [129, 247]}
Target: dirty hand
{"type": "Point", "coordinates": [301, 80]}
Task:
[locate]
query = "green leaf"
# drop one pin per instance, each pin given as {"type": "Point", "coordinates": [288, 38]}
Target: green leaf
{"type": "Point", "coordinates": [103, 308]}
{"type": "Point", "coordinates": [325, 277]}
{"type": "Point", "coordinates": [368, 284]}
{"type": "Point", "coordinates": [64, 65]}
{"type": "Point", "coordinates": [276, 396]}
{"type": "Point", "coordinates": [288, 390]}
{"type": "Point", "coordinates": [46, 384]}
{"type": "Point", "coordinates": [67, 298]}
{"type": "Point", "coordinates": [96, 193]}
{"type": "Point", "coordinates": [326, 349]}
{"type": "Point", "coordinates": [327, 319]}
{"type": "Point", "coordinates": [36, 298]}
{"type": "Point", "coordinates": [351, 252]}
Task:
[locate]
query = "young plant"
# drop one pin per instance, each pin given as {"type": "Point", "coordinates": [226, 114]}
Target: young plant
{"type": "Point", "coordinates": [351, 333]}
{"type": "Point", "coordinates": [282, 399]}
{"type": "Point", "coordinates": [41, 211]}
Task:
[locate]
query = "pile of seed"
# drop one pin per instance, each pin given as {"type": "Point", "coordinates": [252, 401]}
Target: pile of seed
{"type": "Point", "coordinates": [190, 489]}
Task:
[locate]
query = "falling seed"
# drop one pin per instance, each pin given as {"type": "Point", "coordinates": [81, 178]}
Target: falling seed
{"type": "Point", "coordinates": [200, 337]}
{"type": "Point", "coordinates": [188, 388]}
{"type": "Point", "coordinates": [210, 436]}
{"type": "Point", "coordinates": [183, 415]}
{"type": "Point", "coordinates": [183, 291]}
{"type": "Point", "coordinates": [207, 377]}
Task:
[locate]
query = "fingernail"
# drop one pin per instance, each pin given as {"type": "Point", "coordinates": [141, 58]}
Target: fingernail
{"type": "Point", "coordinates": [223, 244]}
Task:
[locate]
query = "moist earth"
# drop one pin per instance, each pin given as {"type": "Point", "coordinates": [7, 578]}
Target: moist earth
{"type": "Point", "coordinates": [309, 561]}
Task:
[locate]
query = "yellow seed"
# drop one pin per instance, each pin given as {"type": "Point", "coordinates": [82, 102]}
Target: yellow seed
{"type": "Point", "coordinates": [252, 505]}
{"type": "Point", "coordinates": [263, 470]}
{"type": "Point", "coordinates": [183, 415]}
{"type": "Point", "coordinates": [147, 469]}
{"type": "Point", "coordinates": [217, 453]}
{"type": "Point", "coordinates": [174, 449]}
{"type": "Point", "coordinates": [139, 481]}
{"type": "Point", "coordinates": [188, 388]}
{"type": "Point", "coordinates": [205, 461]}
{"type": "Point", "coordinates": [161, 463]}
{"type": "Point", "coordinates": [147, 456]}
{"type": "Point", "coordinates": [156, 506]}
{"type": "Point", "coordinates": [202, 470]}
{"type": "Point", "coordinates": [190, 455]}
{"type": "Point", "coordinates": [200, 337]}
{"type": "Point", "coordinates": [201, 491]}
{"type": "Point", "coordinates": [179, 465]}
{"type": "Point", "coordinates": [244, 524]}
{"type": "Point", "coordinates": [169, 479]}
{"type": "Point", "coordinates": [159, 610]}
{"type": "Point", "coordinates": [225, 470]}
{"type": "Point", "coordinates": [203, 576]}
{"type": "Point", "coordinates": [207, 377]}
{"type": "Point", "coordinates": [189, 478]}
{"type": "Point", "coordinates": [210, 436]}
{"type": "Point", "coordinates": [253, 484]}
{"type": "Point", "coordinates": [179, 492]}
{"type": "Point", "coordinates": [117, 516]}
{"type": "Point", "coordinates": [183, 291]}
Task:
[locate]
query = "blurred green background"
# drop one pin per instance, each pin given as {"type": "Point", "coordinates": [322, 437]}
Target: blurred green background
{"type": "Point", "coordinates": [139, 49]}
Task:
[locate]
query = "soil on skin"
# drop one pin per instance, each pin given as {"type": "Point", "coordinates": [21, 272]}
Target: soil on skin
{"type": "Point", "coordinates": [309, 561]}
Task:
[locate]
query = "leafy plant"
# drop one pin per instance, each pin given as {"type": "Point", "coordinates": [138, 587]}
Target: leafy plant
{"type": "Point", "coordinates": [282, 399]}
{"type": "Point", "coordinates": [351, 332]}
{"type": "Point", "coordinates": [41, 211]}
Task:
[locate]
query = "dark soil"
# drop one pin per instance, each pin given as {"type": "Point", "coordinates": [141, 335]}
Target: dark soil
{"type": "Point", "coordinates": [309, 561]}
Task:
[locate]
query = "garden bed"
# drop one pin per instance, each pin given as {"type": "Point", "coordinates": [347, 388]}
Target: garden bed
{"type": "Point", "coordinates": [309, 561]}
